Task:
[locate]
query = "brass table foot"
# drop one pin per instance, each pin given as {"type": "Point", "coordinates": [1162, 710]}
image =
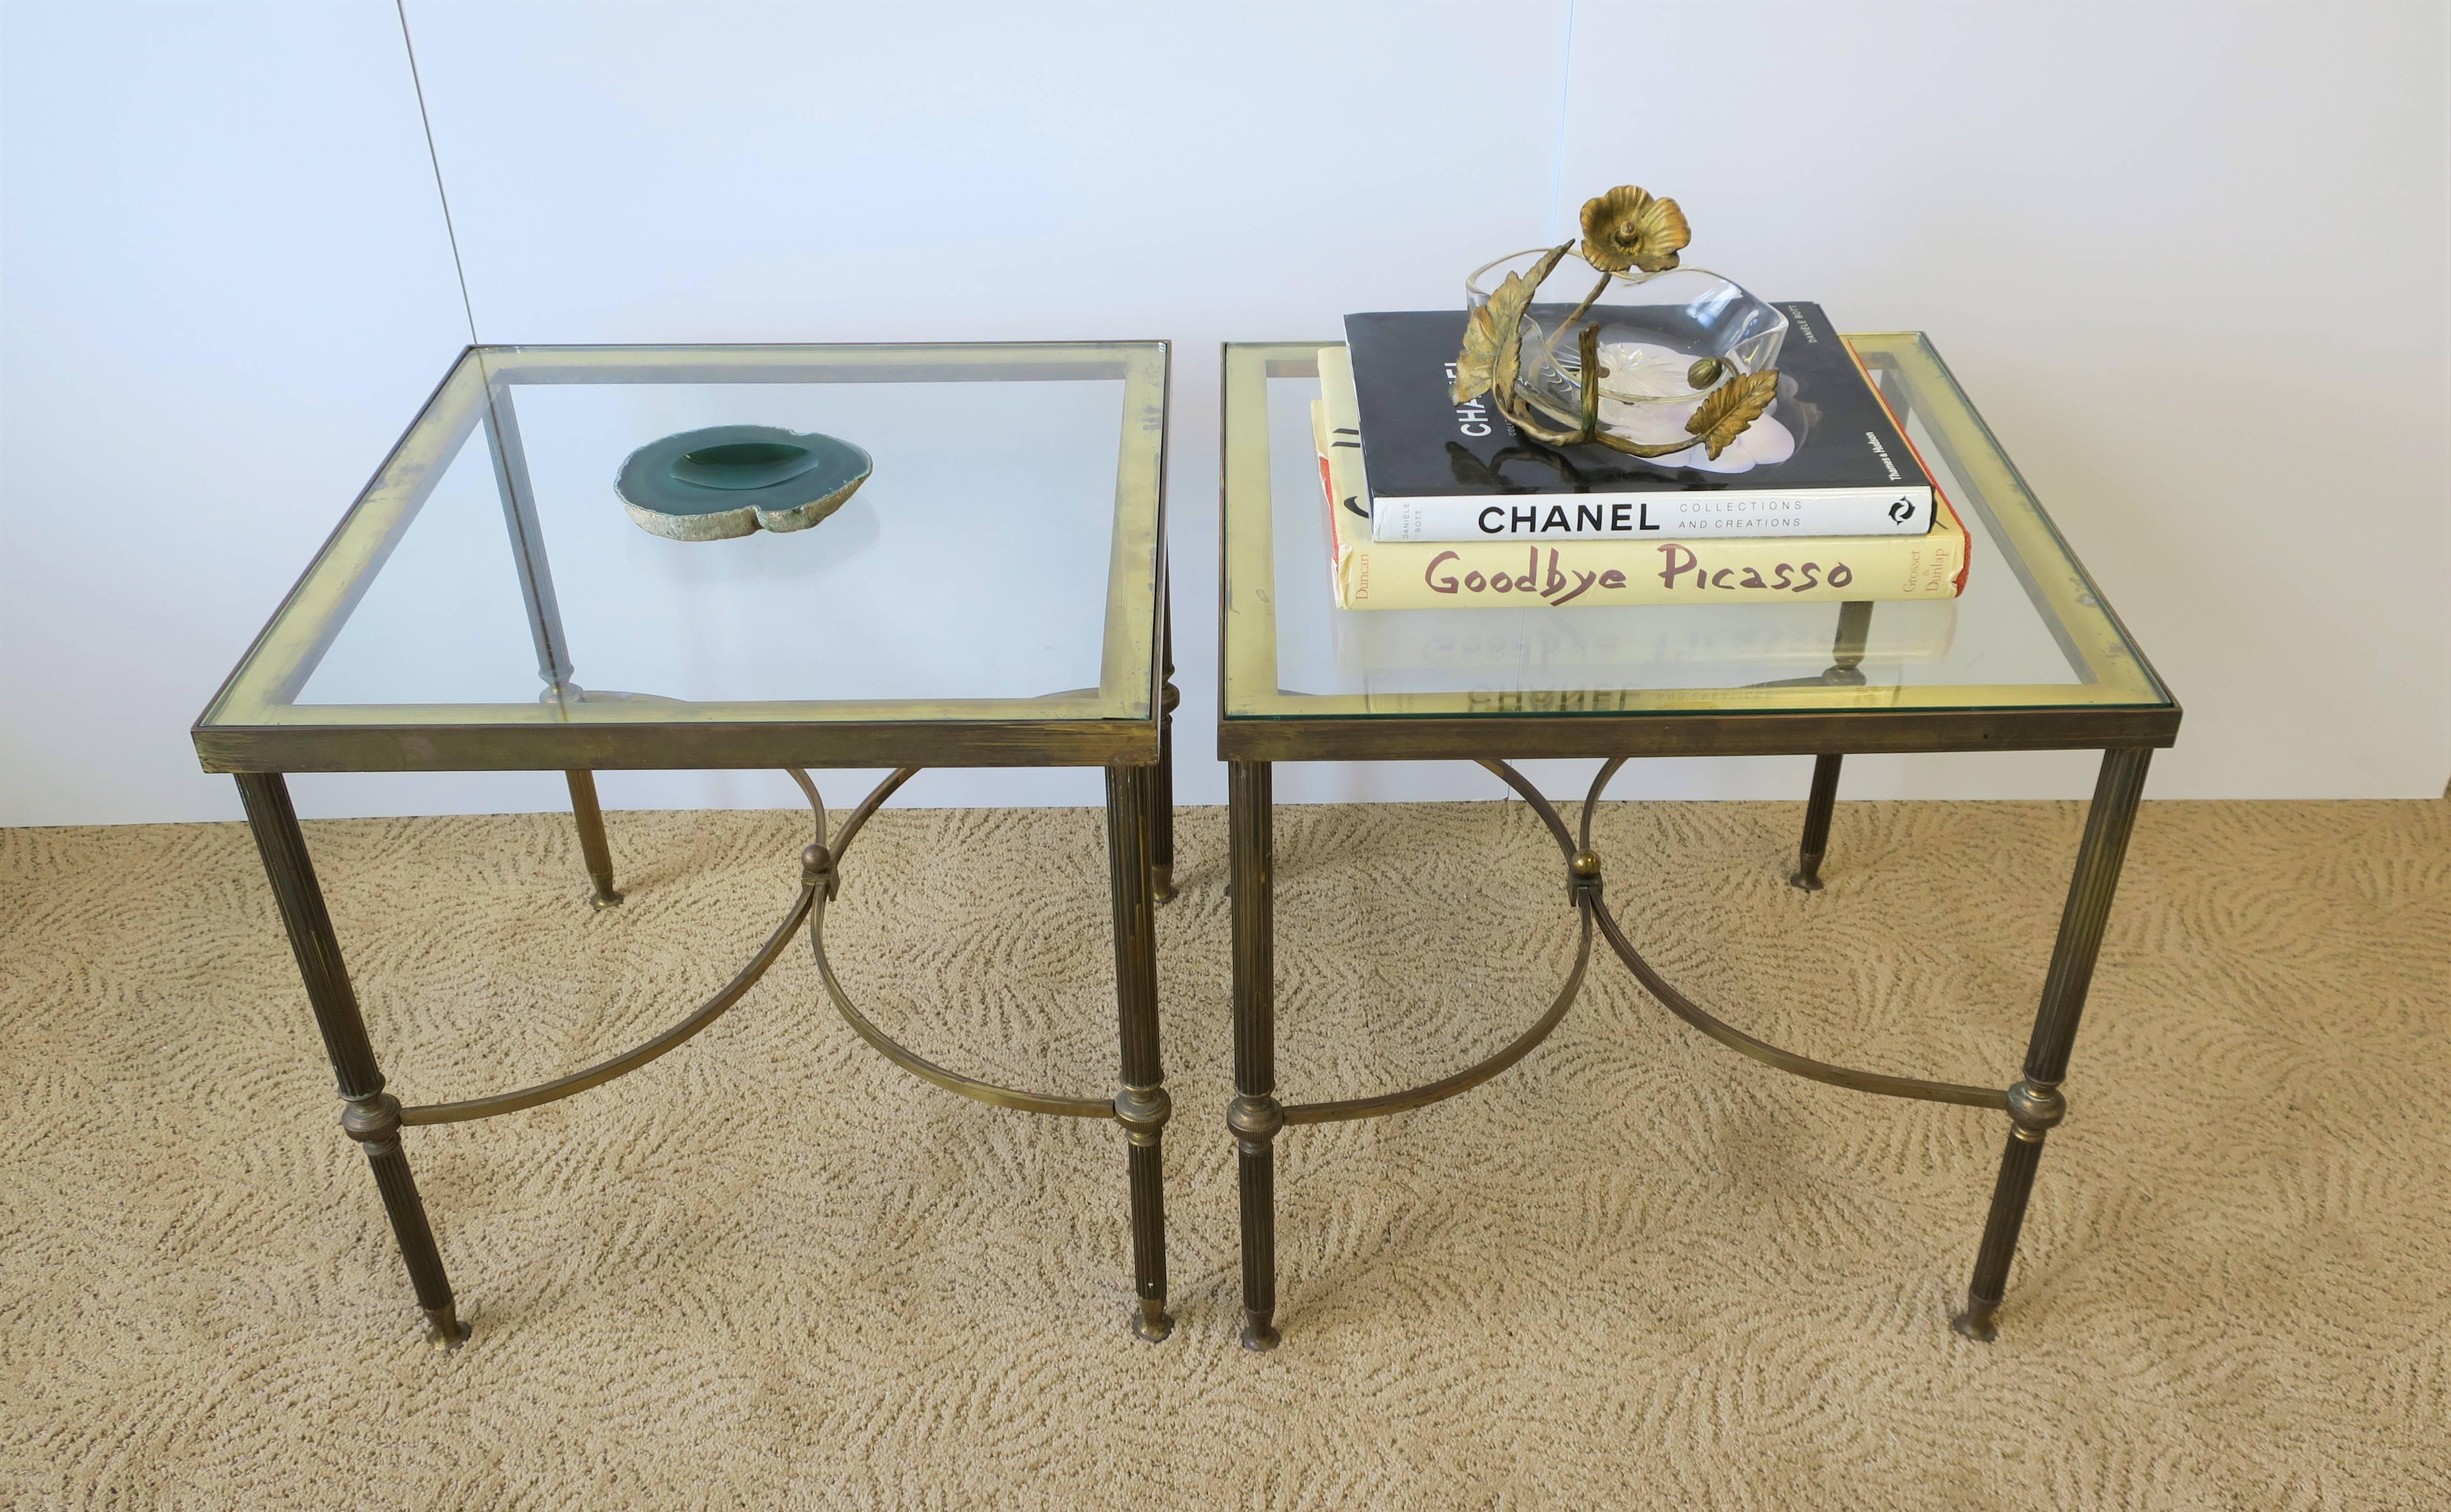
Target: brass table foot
{"type": "Point", "coordinates": [1152, 1322]}
{"type": "Point", "coordinates": [1977, 1321]}
{"type": "Point", "coordinates": [444, 1329]}
{"type": "Point", "coordinates": [1160, 884]}
{"type": "Point", "coordinates": [1806, 879]}
{"type": "Point", "coordinates": [1260, 1335]}
{"type": "Point", "coordinates": [601, 901]}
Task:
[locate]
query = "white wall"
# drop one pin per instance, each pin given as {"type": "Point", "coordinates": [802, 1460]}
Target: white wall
{"type": "Point", "coordinates": [2190, 262]}
{"type": "Point", "coordinates": [2150, 241]}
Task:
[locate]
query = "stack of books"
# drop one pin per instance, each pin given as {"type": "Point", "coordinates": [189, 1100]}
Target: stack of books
{"type": "Point", "coordinates": [1436, 505]}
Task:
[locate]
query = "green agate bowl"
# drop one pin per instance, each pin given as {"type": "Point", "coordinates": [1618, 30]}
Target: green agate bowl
{"type": "Point", "coordinates": [729, 481]}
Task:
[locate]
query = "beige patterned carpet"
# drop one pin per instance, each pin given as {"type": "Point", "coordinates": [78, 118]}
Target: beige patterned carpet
{"type": "Point", "coordinates": [1636, 1271]}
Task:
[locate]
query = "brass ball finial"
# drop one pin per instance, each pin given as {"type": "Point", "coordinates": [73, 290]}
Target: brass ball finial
{"type": "Point", "coordinates": [1586, 863]}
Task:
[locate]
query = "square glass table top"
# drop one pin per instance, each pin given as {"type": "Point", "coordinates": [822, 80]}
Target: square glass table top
{"type": "Point", "coordinates": [990, 595]}
{"type": "Point", "coordinates": [2029, 656]}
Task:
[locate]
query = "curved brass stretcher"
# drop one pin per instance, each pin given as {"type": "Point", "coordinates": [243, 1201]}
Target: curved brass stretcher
{"type": "Point", "coordinates": [1583, 873]}
{"type": "Point", "coordinates": [1255, 1119]}
{"type": "Point", "coordinates": [819, 882]}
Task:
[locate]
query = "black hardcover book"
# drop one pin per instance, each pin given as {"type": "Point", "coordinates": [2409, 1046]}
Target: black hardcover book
{"type": "Point", "coordinates": [1435, 468]}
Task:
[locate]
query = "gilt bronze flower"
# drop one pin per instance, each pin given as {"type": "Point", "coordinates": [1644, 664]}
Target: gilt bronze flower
{"type": "Point", "coordinates": [1628, 228]}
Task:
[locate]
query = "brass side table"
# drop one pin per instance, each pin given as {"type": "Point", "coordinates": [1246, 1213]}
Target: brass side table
{"type": "Point", "coordinates": [995, 596]}
{"type": "Point", "coordinates": [2030, 658]}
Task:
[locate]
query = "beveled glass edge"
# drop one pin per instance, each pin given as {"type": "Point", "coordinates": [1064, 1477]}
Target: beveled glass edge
{"type": "Point", "coordinates": [1130, 673]}
{"type": "Point", "coordinates": [1246, 568]}
{"type": "Point", "coordinates": [805, 363]}
{"type": "Point", "coordinates": [293, 640]}
{"type": "Point", "coordinates": [1083, 704]}
{"type": "Point", "coordinates": [1247, 645]}
{"type": "Point", "coordinates": [668, 745]}
{"type": "Point", "coordinates": [259, 695]}
{"type": "Point", "coordinates": [2076, 602]}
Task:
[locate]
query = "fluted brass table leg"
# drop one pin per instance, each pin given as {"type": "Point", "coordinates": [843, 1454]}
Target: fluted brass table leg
{"type": "Point", "coordinates": [1162, 790]}
{"type": "Point", "coordinates": [371, 1116]}
{"type": "Point", "coordinates": [1255, 1115]}
{"type": "Point", "coordinates": [2035, 1104]}
{"type": "Point", "coordinates": [1140, 1105]}
{"type": "Point", "coordinates": [1846, 670]}
{"type": "Point", "coordinates": [591, 843]}
{"type": "Point", "coordinates": [1817, 824]}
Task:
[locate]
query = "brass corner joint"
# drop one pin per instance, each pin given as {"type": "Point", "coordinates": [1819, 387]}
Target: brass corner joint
{"type": "Point", "coordinates": [2035, 1109]}
{"type": "Point", "coordinates": [374, 1121]}
{"type": "Point", "coordinates": [1255, 1120]}
{"type": "Point", "coordinates": [1143, 1112]}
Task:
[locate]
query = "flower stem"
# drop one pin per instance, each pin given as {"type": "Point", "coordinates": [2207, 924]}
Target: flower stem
{"type": "Point", "coordinates": [1550, 344]}
{"type": "Point", "coordinates": [1523, 421]}
{"type": "Point", "coordinates": [1589, 299]}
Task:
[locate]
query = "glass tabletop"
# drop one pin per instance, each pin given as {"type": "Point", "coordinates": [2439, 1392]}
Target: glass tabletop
{"type": "Point", "coordinates": [2030, 631]}
{"type": "Point", "coordinates": [1000, 565]}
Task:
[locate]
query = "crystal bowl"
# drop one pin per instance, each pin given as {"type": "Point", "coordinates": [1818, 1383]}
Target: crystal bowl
{"type": "Point", "coordinates": [1654, 329]}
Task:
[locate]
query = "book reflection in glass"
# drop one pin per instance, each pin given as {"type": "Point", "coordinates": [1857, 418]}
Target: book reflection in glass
{"type": "Point", "coordinates": [1655, 646]}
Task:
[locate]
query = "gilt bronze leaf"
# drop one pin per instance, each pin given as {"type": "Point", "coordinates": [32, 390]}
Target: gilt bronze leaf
{"type": "Point", "coordinates": [1476, 365]}
{"type": "Point", "coordinates": [1506, 309]}
{"type": "Point", "coordinates": [1727, 410]}
{"type": "Point", "coordinates": [1493, 342]}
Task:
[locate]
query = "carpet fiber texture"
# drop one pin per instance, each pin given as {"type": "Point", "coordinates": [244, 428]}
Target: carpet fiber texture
{"type": "Point", "coordinates": [1636, 1270]}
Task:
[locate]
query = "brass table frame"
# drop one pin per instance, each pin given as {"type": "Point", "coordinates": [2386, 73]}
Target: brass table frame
{"type": "Point", "coordinates": [2123, 711]}
{"type": "Point", "coordinates": [255, 730]}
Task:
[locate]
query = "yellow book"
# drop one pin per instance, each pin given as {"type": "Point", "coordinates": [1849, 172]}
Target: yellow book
{"type": "Point", "coordinates": [1521, 575]}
